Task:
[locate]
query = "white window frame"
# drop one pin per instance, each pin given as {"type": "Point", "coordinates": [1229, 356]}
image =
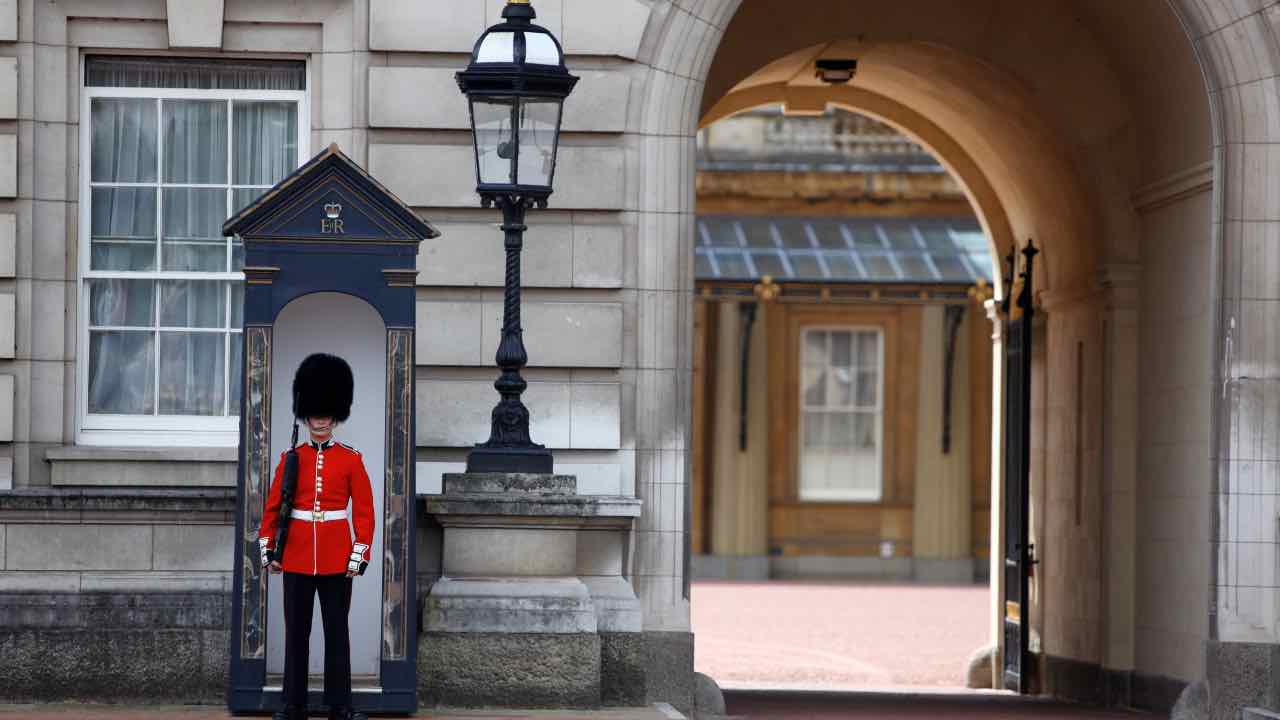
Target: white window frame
{"type": "Point", "coordinates": [846, 494]}
{"type": "Point", "coordinates": [157, 430]}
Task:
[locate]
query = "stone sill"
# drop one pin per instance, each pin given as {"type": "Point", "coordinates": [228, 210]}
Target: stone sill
{"type": "Point", "coordinates": [92, 453]}
{"type": "Point", "coordinates": [147, 505]}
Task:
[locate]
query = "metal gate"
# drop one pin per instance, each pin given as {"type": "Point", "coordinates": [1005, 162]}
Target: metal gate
{"type": "Point", "coordinates": [1019, 553]}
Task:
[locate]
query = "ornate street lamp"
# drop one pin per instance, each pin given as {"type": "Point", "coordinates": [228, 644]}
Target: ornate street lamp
{"type": "Point", "coordinates": [516, 85]}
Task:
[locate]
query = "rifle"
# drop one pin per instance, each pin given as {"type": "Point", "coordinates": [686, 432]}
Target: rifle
{"type": "Point", "coordinates": [288, 485]}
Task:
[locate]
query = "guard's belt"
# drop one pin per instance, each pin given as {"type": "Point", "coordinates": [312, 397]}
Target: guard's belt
{"type": "Point", "coordinates": [318, 516]}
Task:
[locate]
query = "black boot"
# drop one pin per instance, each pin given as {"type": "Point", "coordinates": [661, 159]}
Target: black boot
{"type": "Point", "coordinates": [290, 712]}
{"type": "Point", "coordinates": [345, 712]}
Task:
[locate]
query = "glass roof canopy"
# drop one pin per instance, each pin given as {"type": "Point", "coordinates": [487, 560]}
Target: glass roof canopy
{"type": "Point", "coordinates": [842, 250]}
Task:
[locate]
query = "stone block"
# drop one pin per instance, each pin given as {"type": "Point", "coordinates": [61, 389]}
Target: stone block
{"type": "Point", "coordinates": [708, 701]}
{"type": "Point", "coordinates": [456, 413]}
{"type": "Point", "coordinates": [534, 605]}
{"type": "Point", "coordinates": [8, 245]}
{"type": "Point", "coordinates": [8, 88]}
{"type": "Point", "coordinates": [1241, 675]}
{"type": "Point", "coordinates": [593, 478]}
{"type": "Point", "coordinates": [449, 334]}
{"type": "Point", "coordinates": [598, 103]}
{"type": "Point", "coordinates": [563, 334]}
{"type": "Point", "coordinates": [597, 256]}
{"type": "Point", "coordinates": [78, 547]}
{"type": "Point", "coordinates": [472, 255]}
{"type": "Point", "coordinates": [195, 23]}
{"type": "Point", "coordinates": [592, 27]}
{"type": "Point", "coordinates": [9, 166]}
{"type": "Point", "coordinates": [422, 27]}
{"type": "Point", "coordinates": [622, 670]}
{"type": "Point", "coordinates": [193, 547]}
{"type": "Point", "coordinates": [508, 552]}
{"type": "Point", "coordinates": [428, 98]}
{"type": "Point", "coordinates": [8, 20]}
{"type": "Point", "coordinates": [502, 670]}
{"type": "Point", "coordinates": [416, 97]}
{"type": "Point", "coordinates": [336, 88]}
{"type": "Point", "coordinates": [7, 397]}
{"type": "Point", "coordinates": [532, 485]}
{"type": "Point", "coordinates": [125, 472]}
{"type": "Point", "coordinates": [587, 178]}
{"type": "Point", "coordinates": [669, 664]}
{"type": "Point", "coordinates": [616, 605]}
{"type": "Point", "coordinates": [8, 325]}
{"type": "Point", "coordinates": [596, 416]}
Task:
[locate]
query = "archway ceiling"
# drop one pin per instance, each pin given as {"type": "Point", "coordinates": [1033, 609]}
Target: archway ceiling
{"type": "Point", "coordinates": [1027, 95]}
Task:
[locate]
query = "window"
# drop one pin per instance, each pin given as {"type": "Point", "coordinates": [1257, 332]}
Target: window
{"type": "Point", "coordinates": [841, 413]}
{"type": "Point", "coordinates": [174, 147]}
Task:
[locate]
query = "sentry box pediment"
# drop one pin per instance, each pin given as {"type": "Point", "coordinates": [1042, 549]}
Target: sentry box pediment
{"type": "Point", "coordinates": [330, 199]}
{"type": "Point", "coordinates": [330, 266]}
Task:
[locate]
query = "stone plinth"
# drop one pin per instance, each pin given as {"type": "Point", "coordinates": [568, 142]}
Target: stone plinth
{"type": "Point", "coordinates": [532, 608]}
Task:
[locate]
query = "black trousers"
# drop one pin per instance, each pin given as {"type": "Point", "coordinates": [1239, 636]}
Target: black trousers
{"type": "Point", "coordinates": [335, 603]}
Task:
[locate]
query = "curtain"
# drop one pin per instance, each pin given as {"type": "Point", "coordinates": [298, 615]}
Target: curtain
{"type": "Point", "coordinates": [203, 74]}
{"type": "Point", "coordinates": [162, 345]}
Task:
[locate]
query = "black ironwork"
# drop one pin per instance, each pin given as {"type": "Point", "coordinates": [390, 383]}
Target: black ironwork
{"type": "Point", "coordinates": [512, 70]}
{"type": "Point", "coordinates": [288, 486]}
{"type": "Point", "coordinates": [748, 311]}
{"type": "Point", "coordinates": [509, 448]}
{"type": "Point", "coordinates": [954, 317]}
{"type": "Point", "coordinates": [1019, 554]}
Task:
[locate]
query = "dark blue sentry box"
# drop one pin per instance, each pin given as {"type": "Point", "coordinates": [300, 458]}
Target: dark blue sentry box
{"type": "Point", "coordinates": [331, 230]}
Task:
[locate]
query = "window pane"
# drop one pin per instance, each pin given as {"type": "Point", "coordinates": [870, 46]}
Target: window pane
{"type": "Point", "coordinates": [123, 229]}
{"type": "Point", "coordinates": [237, 256]}
{"type": "Point", "coordinates": [266, 142]}
{"type": "Point", "coordinates": [237, 370]}
{"type": "Point", "coordinates": [124, 140]}
{"type": "Point", "coordinates": [538, 123]}
{"type": "Point", "coordinates": [192, 303]}
{"type": "Point", "coordinates": [242, 198]}
{"type": "Point", "coordinates": [122, 373]}
{"type": "Point", "coordinates": [806, 267]}
{"type": "Point", "coordinates": [879, 267]}
{"type": "Point", "coordinates": [841, 434]}
{"type": "Point", "coordinates": [193, 240]}
{"type": "Point", "coordinates": [815, 348]}
{"type": "Point", "coordinates": [842, 266]}
{"type": "Point", "coordinates": [195, 141]}
{"type": "Point", "coordinates": [841, 387]}
{"type": "Point", "coordinates": [815, 430]}
{"type": "Point", "coordinates": [769, 263]}
{"type": "Point", "coordinates": [814, 386]}
{"type": "Point", "coordinates": [868, 388]}
{"type": "Point", "coordinates": [122, 303]}
{"type": "Point", "coordinates": [842, 348]}
{"type": "Point", "coordinates": [191, 368]}
{"type": "Point", "coordinates": [722, 232]}
{"type": "Point", "coordinates": [733, 266]}
{"type": "Point", "coordinates": [203, 74]}
{"type": "Point", "coordinates": [758, 233]}
{"type": "Point", "coordinates": [829, 235]}
{"type": "Point", "coordinates": [702, 266]}
{"type": "Point", "coordinates": [237, 304]}
{"type": "Point", "coordinates": [494, 140]}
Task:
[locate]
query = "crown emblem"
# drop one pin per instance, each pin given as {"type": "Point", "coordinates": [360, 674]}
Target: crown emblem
{"type": "Point", "coordinates": [333, 210]}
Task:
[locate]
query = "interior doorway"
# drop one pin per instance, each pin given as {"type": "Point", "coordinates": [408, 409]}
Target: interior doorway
{"type": "Point", "coordinates": [309, 325]}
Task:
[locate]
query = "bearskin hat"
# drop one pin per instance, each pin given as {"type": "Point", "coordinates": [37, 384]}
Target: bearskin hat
{"type": "Point", "coordinates": [323, 387]}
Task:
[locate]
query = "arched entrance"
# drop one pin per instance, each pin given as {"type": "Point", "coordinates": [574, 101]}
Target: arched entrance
{"type": "Point", "coordinates": [1119, 191]}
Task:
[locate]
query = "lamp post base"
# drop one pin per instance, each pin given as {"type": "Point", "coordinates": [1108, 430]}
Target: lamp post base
{"type": "Point", "coordinates": [535, 460]}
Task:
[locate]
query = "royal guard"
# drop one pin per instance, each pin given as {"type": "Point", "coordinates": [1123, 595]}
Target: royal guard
{"type": "Point", "coordinates": [305, 534]}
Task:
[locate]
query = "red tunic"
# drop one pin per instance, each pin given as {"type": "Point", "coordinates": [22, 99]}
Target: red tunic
{"type": "Point", "coordinates": [328, 477]}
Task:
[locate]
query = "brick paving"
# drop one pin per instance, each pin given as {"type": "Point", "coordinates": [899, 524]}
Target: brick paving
{"type": "Point", "coordinates": [837, 635]}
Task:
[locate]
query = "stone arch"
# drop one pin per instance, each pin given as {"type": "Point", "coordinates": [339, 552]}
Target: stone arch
{"type": "Point", "coordinates": [1235, 58]}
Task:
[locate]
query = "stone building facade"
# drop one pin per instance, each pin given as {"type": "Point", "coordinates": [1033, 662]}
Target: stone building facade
{"type": "Point", "coordinates": [1135, 142]}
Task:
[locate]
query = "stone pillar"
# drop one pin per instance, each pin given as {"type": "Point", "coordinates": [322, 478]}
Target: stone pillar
{"type": "Point", "coordinates": [1120, 464]}
{"type": "Point", "coordinates": [942, 544]}
{"type": "Point", "coordinates": [992, 308]}
{"type": "Point", "coordinates": [516, 618]}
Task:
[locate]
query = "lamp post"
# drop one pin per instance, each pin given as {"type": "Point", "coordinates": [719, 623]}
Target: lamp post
{"type": "Point", "coordinates": [515, 84]}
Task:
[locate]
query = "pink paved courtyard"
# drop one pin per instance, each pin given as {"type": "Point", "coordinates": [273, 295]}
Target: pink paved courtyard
{"type": "Point", "coordinates": [837, 635]}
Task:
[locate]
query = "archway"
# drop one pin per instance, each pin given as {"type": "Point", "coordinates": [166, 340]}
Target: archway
{"type": "Point", "coordinates": [1118, 95]}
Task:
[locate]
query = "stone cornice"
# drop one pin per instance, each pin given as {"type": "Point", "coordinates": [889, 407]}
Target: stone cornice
{"type": "Point", "coordinates": [1173, 188]}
